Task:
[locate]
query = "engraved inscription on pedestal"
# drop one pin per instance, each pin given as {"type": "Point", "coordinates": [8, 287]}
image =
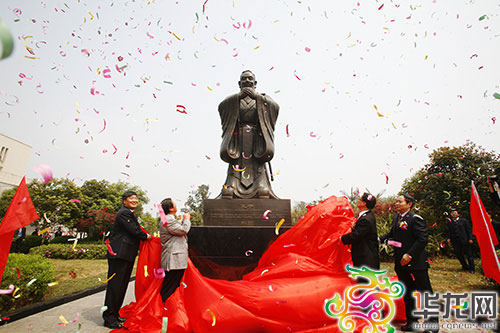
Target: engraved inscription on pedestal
{"type": "Point", "coordinates": [246, 212]}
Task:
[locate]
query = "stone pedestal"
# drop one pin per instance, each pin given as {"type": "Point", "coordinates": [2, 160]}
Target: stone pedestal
{"type": "Point", "coordinates": [246, 212]}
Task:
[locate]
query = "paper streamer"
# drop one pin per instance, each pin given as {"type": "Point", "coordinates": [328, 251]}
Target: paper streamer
{"type": "Point", "coordinates": [278, 226]}
{"type": "Point", "coordinates": [265, 214]}
{"type": "Point", "coordinates": [164, 325]}
{"type": "Point", "coordinates": [159, 273]}
{"type": "Point", "coordinates": [110, 250]}
{"type": "Point", "coordinates": [394, 243]}
{"type": "Point", "coordinates": [6, 41]}
{"type": "Point", "coordinates": [7, 291]}
{"type": "Point", "coordinates": [30, 283]}
{"type": "Point", "coordinates": [45, 171]}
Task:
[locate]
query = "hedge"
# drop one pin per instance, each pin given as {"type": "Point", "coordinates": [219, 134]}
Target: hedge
{"type": "Point", "coordinates": [20, 245]}
{"type": "Point", "coordinates": [30, 267]}
{"type": "Point", "coordinates": [65, 251]}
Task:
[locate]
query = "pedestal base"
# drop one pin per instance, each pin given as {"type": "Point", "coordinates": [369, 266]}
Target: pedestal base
{"type": "Point", "coordinates": [246, 212]}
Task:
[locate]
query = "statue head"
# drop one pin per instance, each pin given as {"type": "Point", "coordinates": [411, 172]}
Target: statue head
{"type": "Point", "coordinates": [247, 79]}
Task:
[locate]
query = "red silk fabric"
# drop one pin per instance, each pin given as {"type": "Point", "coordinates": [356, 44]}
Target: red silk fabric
{"type": "Point", "coordinates": [285, 293]}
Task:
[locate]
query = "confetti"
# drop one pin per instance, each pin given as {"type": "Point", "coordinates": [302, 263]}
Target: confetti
{"type": "Point", "coordinates": [159, 273]}
{"type": "Point", "coordinates": [72, 274]}
{"type": "Point", "coordinates": [295, 73]}
{"type": "Point", "coordinates": [30, 283]}
{"type": "Point", "coordinates": [105, 73]}
{"type": "Point", "coordinates": [18, 271]}
{"type": "Point", "coordinates": [164, 325]}
{"type": "Point", "coordinates": [434, 225]}
{"type": "Point", "coordinates": [7, 291]}
{"type": "Point", "coordinates": [210, 311]}
{"type": "Point", "coordinates": [45, 171]}
{"type": "Point", "coordinates": [75, 200]}
{"type": "Point", "coordinates": [287, 132]}
{"type": "Point", "coordinates": [107, 279]}
{"type": "Point", "coordinates": [235, 168]}
{"type": "Point", "coordinates": [496, 95]}
{"type": "Point", "coordinates": [63, 321]}
{"type": "Point", "coordinates": [278, 226]}
{"type": "Point", "coordinates": [442, 245]}
{"type": "Point", "coordinates": [103, 309]}
{"type": "Point", "coordinates": [181, 109]}
{"type": "Point", "coordinates": [312, 135]}
{"type": "Point", "coordinates": [264, 271]}
{"type": "Point", "coordinates": [248, 253]}
{"type": "Point", "coordinates": [184, 285]}
{"type": "Point", "coordinates": [146, 271]}
{"type": "Point", "coordinates": [103, 127]}
{"type": "Point", "coordinates": [265, 214]}
{"type": "Point", "coordinates": [116, 149]}
{"type": "Point", "coordinates": [53, 284]}
{"type": "Point", "coordinates": [448, 193]}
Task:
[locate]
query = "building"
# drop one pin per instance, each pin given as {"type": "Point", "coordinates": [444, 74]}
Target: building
{"type": "Point", "coordinates": [14, 158]}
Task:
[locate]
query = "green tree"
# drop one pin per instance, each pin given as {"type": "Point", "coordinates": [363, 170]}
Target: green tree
{"type": "Point", "coordinates": [298, 210]}
{"type": "Point", "coordinates": [194, 203]}
{"type": "Point", "coordinates": [444, 183]}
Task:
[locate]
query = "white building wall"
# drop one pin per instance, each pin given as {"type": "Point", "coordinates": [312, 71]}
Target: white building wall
{"type": "Point", "coordinates": [14, 158]}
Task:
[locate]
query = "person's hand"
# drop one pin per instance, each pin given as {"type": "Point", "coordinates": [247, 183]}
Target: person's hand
{"type": "Point", "coordinates": [186, 216]}
{"type": "Point", "coordinates": [406, 259]}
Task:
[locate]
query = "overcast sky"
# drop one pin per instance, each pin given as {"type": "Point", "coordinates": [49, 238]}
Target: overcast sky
{"type": "Point", "coordinates": [367, 88]}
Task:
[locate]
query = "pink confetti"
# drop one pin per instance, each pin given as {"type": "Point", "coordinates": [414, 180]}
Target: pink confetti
{"type": "Point", "coordinates": [265, 214]}
{"type": "Point", "coordinates": [116, 149]}
{"type": "Point", "coordinates": [7, 291]}
{"type": "Point", "coordinates": [132, 138]}
{"type": "Point", "coordinates": [93, 90]}
{"type": "Point", "coordinates": [249, 24]}
{"type": "Point", "coordinates": [128, 154]}
{"type": "Point", "coordinates": [287, 132]}
{"type": "Point", "coordinates": [312, 135]}
{"type": "Point", "coordinates": [75, 200]}
{"type": "Point", "coordinates": [149, 35]}
{"type": "Point", "coordinates": [159, 273]}
{"type": "Point", "coordinates": [379, 8]}
{"type": "Point", "coordinates": [295, 73]}
{"type": "Point", "coordinates": [106, 74]}
{"type": "Point", "coordinates": [386, 177]}
{"type": "Point", "coordinates": [38, 87]}
{"type": "Point", "coordinates": [62, 53]}
{"type": "Point", "coordinates": [237, 26]}
{"type": "Point", "coordinates": [204, 6]}
{"type": "Point", "coordinates": [473, 56]}
{"type": "Point", "coordinates": [22, 201]}
{"type": "Point", "coordinates": [86, 52]}
{"type": "Point", "coordinates": [481, 67]}
{"type": "Point", "coordinates": [248, 253]}
{"type": "Point", "coordinates": [45, 171]}
{"type": "Point", "coordinates": [103, 127]}
{"type": "Point", "coordinates": [308, 49]}
{"type": "Point", "coordinates": [181, 109]}
{"type": "Point", "coordinates": [493, 119]}
{"type": "Point", "coordinates": [341, 156]}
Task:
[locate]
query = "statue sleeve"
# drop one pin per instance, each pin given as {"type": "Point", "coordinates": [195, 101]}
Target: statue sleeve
{"type": "Point", "coordinates": [228, 111]}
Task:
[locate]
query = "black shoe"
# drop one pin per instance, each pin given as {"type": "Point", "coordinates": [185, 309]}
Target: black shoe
{"type": "Point", "coordinates": [113, 325]}
{"type": "Point", "coordinates": [121, 319]}
{"type": "Point", "coordinates": [407, 328]}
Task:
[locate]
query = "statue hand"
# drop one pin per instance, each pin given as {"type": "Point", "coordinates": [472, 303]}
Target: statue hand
{"type": "Point", "coordinates": [248, 91]}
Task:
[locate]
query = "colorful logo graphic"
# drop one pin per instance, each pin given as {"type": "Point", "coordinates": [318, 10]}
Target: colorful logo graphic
{"type": "Point", "coordinates": [363, 303]}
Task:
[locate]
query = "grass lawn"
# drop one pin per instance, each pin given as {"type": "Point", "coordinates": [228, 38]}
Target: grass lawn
{"type": "Point", "coordinates": [446, 275]}
{"type": "Point", "coordinates": [87, 275]}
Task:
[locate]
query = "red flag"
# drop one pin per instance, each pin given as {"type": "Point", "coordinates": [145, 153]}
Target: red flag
{"type": "Point", "coordinates": [20, 213]}
{"type": "Point", "coordinates": [485, 234]}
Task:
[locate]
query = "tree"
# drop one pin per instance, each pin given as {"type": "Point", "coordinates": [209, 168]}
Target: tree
{"type": "Point", "coordinates": [194, 203]}
{"type": "Point", "coordinates": [444, 183]}
{"type": "Point", "coordinates": [149, 223]}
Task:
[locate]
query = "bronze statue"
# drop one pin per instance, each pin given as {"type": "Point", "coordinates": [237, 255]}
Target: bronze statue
{"type": "Point", "coordinates": [248, 119]}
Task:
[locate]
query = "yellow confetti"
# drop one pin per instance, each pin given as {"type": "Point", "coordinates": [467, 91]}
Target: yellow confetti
{"type": "Point", "coordinates": [213, 316]}
{"type": "Point", "coordinates": [108, 279]}
{"type": "Point", "coordinates": [375, 107]}
{"type": "Point", "coordinates": [40, 232]}
{"type": "Point", "coordinates": [239, 170]}
{"type": "Point", "coordinates": [176, 36]}
{"type": "Point", "coordinates": [91, 16]}
{"type": "Point", "coordinates": [63, 320]}
{"type": "Point", "coordinates": [209, 88]}
{"type": "Point", "coordinates": [53, 284]}
{"type": "Point", "coordinates": [264, 271]}
{"type": "Point", "coordinates": [278, 226]}
{"type": "Point", "coordinates": [255, 48]}
{"type": "Point", "coordinates": [146, 271]}
{"type": "Point", "coordinates": [394, 126]}
{"type": "Point", "coordinates": [29, 57]}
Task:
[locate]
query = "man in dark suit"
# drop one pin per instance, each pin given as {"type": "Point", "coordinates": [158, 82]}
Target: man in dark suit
{"type": "Point", "coordinates": [124, 244]}
{"type": "Point", "coordinates": [363, 237]}
{"type": "Point", "coordinates": [460, 237]}
{"type": "Point", "coordinates": [409, 233]}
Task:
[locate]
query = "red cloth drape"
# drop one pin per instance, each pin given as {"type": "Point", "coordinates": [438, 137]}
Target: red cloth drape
{"type": "Point", "coordinates": [20, 213]}
{"type": "Point", "coordinates": [285, 293]}
{"type": "Point", "coordinates": [486, 237]}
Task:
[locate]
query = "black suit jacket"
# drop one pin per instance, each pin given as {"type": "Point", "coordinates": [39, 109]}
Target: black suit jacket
{"type": "Point", "coordinates": [460, 230]}
{"type": "Point", "coordinates": [126, 236]}
{"type": "Point", "coordinates": [364, 241]}
{"type": "Point", "coordinates": [413, 241]}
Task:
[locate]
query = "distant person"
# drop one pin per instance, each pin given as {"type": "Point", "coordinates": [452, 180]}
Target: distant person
{"type": "Point", "coordinates": [460, 237]}
{"type": "Point", "coordinates": [124, 243]}
{"type": "Point", "coordinates": [174, 254]}
{"type": "Point", "coordinates": [35, 232]}
{"type": "Point", "coordinates": [493, 184]}
{"type": "Point", "coordinates": [363, 237]}
{"type": "Point", "coordinates": [409, 236]}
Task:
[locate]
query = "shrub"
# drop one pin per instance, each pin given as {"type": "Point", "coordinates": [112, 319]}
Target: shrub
{"type": "Point", "coordinates": [20, 245]}
{"type": "Point", "coordinates": [30, 267]}
{"type": "Point", "coordinates": [65, 251]}
{"type": "Point", "coordinates": [60, 240]}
